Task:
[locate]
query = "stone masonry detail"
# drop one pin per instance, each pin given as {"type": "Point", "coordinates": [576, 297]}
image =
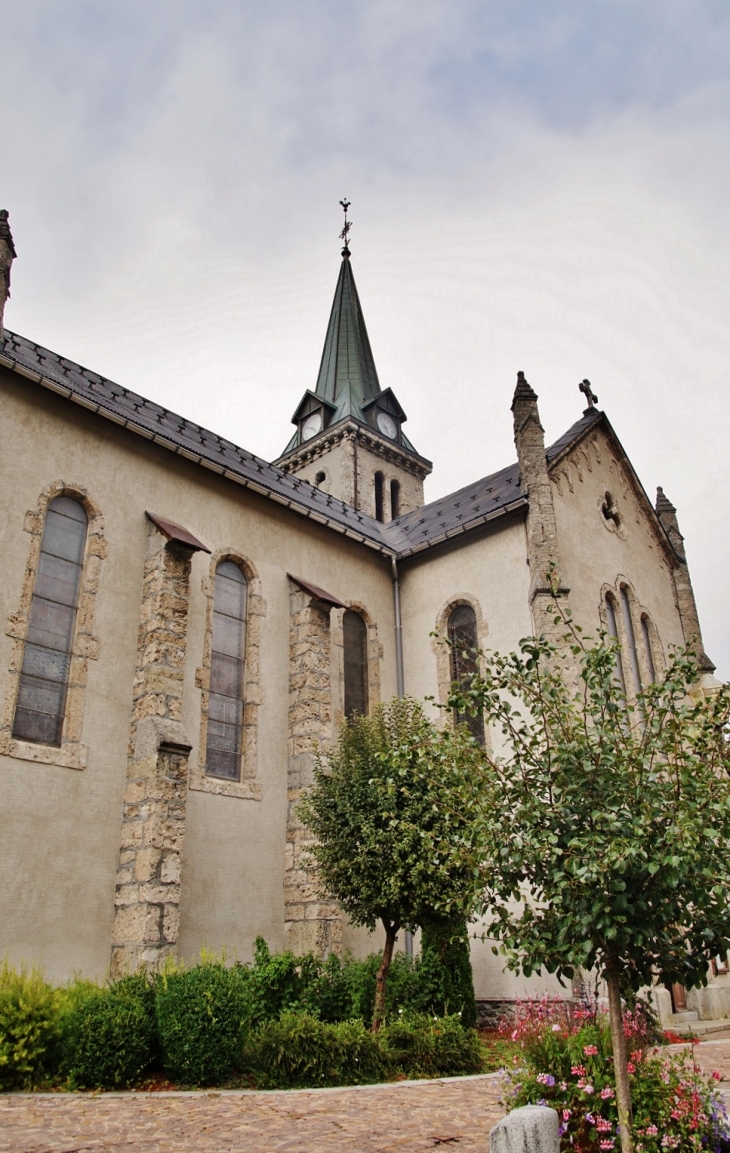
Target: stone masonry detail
{"type": "Point", "coordinates": [542, 532]}
{"type": "Point", "coordinates": [311, 922]}
{"type": "Point", "coordinates": [686, 605]}
{"type": "Point", "coordinates": [147, 903]}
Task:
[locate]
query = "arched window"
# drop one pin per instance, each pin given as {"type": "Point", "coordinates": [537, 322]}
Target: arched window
{"type": "Point", "coordinates": [462, 631]}
{"type": "Point", "coordinates": [379, 502]}
{"type": "Point", "coordinates": [44, 676]}
{"type": "Point", "coordinates": [613, 632]}
{"type": "Point", "coordinates": [394, 499]}
{"type": "Point", "coordinates": [355, 642]}
{"type": "Point", "coordinates": [647, 647]}
{"type": "Point", "coordinates": [225, 707]}
{"type": "Point", "coordinates": [630, 639]}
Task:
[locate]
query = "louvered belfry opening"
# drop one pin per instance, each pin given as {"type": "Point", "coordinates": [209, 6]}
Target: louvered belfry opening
{"type": "Point", "coordinates": [462, 630]}
{"type": "Point", "coordinates": [44, 677]}
{"type": "Point", "coordinates": [355, 642]}
{"type": "Point", "coordinates": [225, 706]}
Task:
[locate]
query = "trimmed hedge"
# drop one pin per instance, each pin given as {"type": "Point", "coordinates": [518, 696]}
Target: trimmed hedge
{"type": "Point", "coordinates": [284, 1021]}
{"type": "Point", "coordinates": [300, 1051]}
{"type": "Point", "coordinates": [202, 1016]}
{"type": "Point", "coordinates": [110, 1034]}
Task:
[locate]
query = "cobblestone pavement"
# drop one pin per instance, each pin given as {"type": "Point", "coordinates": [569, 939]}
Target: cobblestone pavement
{"type": "Point", "coordinates": [409, 1117]}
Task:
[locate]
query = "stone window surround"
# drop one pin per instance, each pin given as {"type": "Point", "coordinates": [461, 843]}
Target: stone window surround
{"type": "Point", "coordinates": [337, 651]}
{"type": "Point", "coordinates": [72, 754]}
{"type": "Point", "coordinates": [440, 646]}
{"type": "Point", "coordinates": [638, 613]}
{"type": "Point", "coordinates": [247, 788]}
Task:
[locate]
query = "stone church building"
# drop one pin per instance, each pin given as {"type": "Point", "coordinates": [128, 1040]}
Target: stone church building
{"type": "Point", "coordinates": [183, 622]}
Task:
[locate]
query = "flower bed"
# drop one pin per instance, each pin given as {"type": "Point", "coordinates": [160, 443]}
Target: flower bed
{"type": "Point", "coordinates": [564, 1060]}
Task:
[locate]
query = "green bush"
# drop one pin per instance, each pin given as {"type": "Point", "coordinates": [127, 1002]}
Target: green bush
{"type": "Point", "coordinates": [29, 1028]}
{"type": "Point", "coordinates": [422, 1046]}
{"type": "Point", "coordinates": [444, 984]}
{"type": "Point", "coordinates": [300, 1051]}
{"type": "Point", "coordinates": [202, 1016]}
{"type": "Point", "coordinates": [109, 1033]}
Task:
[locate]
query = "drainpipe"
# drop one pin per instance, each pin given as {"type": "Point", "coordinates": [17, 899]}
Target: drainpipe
{"type": "Point", "coordinates": [400, 680]}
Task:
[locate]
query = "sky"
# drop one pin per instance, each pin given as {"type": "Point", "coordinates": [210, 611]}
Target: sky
{"type": "Point", "coordinates": [539, 185]}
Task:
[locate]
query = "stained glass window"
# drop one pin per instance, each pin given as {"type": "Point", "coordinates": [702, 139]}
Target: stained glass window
{"type": "Point", "coordinates": [44, 675]}
{"type": "Point", "coordinates": [225, 704]}
{"type": "Point", "coordinates": [462, 631]}
{"type": "Point", "coordinates": [355, 641]}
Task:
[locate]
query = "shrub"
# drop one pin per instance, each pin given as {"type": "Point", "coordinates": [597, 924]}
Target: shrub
{"type": "Point", "coordinates": [568, 1064]}
{"type": "Point", "coordinates": [202, 1015]}
{"type": "Point", "coordinates": [443, 977]}
{"type": "Point", "coordinates": [29, 1028]}
{"type": "Point", "coordinates": [422, 1046]}
{"type": "Point", "coordinates": [109, 1033]}
{"type": "Point", "coordinates": [300, 1051]}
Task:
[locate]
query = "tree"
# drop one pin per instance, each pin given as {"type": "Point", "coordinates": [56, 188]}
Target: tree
{"type": "Point", "coordinates": [383, 839]}
{"type": "Point", "coordinates": [602, 831]}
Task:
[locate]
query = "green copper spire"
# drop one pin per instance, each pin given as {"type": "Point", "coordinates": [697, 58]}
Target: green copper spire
{"type": "Point", "coordinates": [347, 375]}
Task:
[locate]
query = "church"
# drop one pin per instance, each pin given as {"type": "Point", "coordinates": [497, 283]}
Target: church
{"type": "Point", "coordinates": [184, 623]}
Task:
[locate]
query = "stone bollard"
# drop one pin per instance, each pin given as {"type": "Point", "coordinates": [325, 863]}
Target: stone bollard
{"type": "Point", "coordinates": [531, 1129]}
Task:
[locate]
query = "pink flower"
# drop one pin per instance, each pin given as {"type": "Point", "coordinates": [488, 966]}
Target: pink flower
{"type": "Point", "coordinates": [590, 1050]}
{"type": "Point", "coordinates": [652, 1131]}
{"type": "Point", "coordinates": [631, 1066]}
{"type": "Point", "coordinates": [578, 1070]}
{"type": "Point", "coordinates": [603, 1125]}
{"type": "Point", "coordinates": [587, 1088]}
{"type": "Point", "coordinates": [564, 1086]}
{"type": "Point", "coordinates": [567, 1114]}
{"type": "Point", "coordinates": [607, 1143]}
{"type": "Point", "coordinates": [716, 1076]}
{"type": "Point", "coordinates": [607, 1093]}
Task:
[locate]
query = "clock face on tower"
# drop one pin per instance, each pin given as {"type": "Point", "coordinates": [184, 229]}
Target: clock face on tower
{"type": "Point", "coordinates": [387, 425]}
{"type": "Point", "coordinates": [312, 425]}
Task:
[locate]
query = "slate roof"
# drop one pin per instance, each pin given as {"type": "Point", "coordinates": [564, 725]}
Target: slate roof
{"type": "Point", "coordinates": [450, 516]}
{"type": "Point", "coordinates": [347, 377]}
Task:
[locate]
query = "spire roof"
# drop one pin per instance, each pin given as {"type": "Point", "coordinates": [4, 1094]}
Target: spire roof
{"type": "Point", "coordinates": [347, 375]}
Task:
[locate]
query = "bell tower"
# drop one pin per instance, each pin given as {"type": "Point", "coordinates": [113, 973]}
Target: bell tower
{"type": "Point", "coordinates": [349, 438]}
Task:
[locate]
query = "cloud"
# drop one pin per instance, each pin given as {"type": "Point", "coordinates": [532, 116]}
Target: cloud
{"type": "Point", "coordinates": [534, 186]}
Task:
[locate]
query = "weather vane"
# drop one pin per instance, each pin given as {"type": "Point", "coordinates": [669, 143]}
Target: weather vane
{"type": "Point", "coordinates": [585, 388]}
{"type": "Point", "coordinates": [345, 234]}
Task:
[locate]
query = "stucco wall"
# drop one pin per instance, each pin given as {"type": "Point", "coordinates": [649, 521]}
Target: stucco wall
{"type": "Point", "coordinates": [60, 827]}
{"type": "Point", "coordinates": [595, 552]}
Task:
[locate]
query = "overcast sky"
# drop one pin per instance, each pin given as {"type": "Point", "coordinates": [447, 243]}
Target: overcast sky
{"type": "Point", "coordinates": [537, 185]}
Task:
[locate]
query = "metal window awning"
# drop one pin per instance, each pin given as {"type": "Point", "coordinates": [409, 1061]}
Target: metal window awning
{"type": "Point", "coordinates": [317, 593]}
{"type": "Point", "coordinates": [176, 533]}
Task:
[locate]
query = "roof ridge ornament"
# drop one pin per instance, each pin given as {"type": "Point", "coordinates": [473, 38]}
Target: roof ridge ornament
{"type": "Point", "coordinates": [592, 399]}
{"type": "Point", "coordinates": [345, 234]}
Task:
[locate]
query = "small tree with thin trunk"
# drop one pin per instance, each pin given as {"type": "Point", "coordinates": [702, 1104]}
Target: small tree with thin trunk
{"type": "Point", "coordinates": [603, 830]}
{"type": "Point", "coordinates": [383, 837]}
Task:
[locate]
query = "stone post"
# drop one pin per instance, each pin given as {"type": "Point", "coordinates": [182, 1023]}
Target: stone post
{"type": "Point", "coordinates": [542, 533]}
{"type": "Point", "coordinates": [311, 922]}
{"type": "Point", "coordinates": [147, 903]}
{"type": "Point", "coordinates": [7, 256]}
{"type": "Point", "coordinates": [531, 1129]}
{"type": "Point", "coordinates": [686, 605]}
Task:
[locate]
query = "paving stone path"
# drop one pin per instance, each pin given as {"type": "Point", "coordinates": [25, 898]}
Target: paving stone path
{"type": "Point", "coordinates": [408, 1117]}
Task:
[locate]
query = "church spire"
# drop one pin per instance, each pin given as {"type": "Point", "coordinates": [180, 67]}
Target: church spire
{"type": "Point", "coordinates": [347, 374]}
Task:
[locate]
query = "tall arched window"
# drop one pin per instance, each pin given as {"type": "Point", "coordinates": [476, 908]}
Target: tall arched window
{"type": "Point", "coordinates": [355, 642]}
{"type": "Point", "coordinates": [225, 706]}
{"type": "Point", "coordinates": [379, 496]}
{"type": "Point", "coordinates": [394, 499]}
{"type": "Point", "coordinates": [462, 631]}
{"type": "Point", "coordinates": [44, 676]}
{"type": "Point", "coordinates": [647, 647]}
{"type": "Point", "coordinates": [631, 639]}
{"type": "Point", "coordinates": [613, 632]}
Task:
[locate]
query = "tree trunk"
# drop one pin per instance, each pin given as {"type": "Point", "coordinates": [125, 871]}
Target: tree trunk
{"type": "Point", "coordinates": [618, 1044]}
{"type": "Point", "coordinates": [381, 981]}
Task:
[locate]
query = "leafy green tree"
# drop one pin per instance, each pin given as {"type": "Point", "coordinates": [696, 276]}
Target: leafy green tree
{"type": "Point", "coordinates": [602, 828]}
{"type": "Point", "coordinates": [382, 834]}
